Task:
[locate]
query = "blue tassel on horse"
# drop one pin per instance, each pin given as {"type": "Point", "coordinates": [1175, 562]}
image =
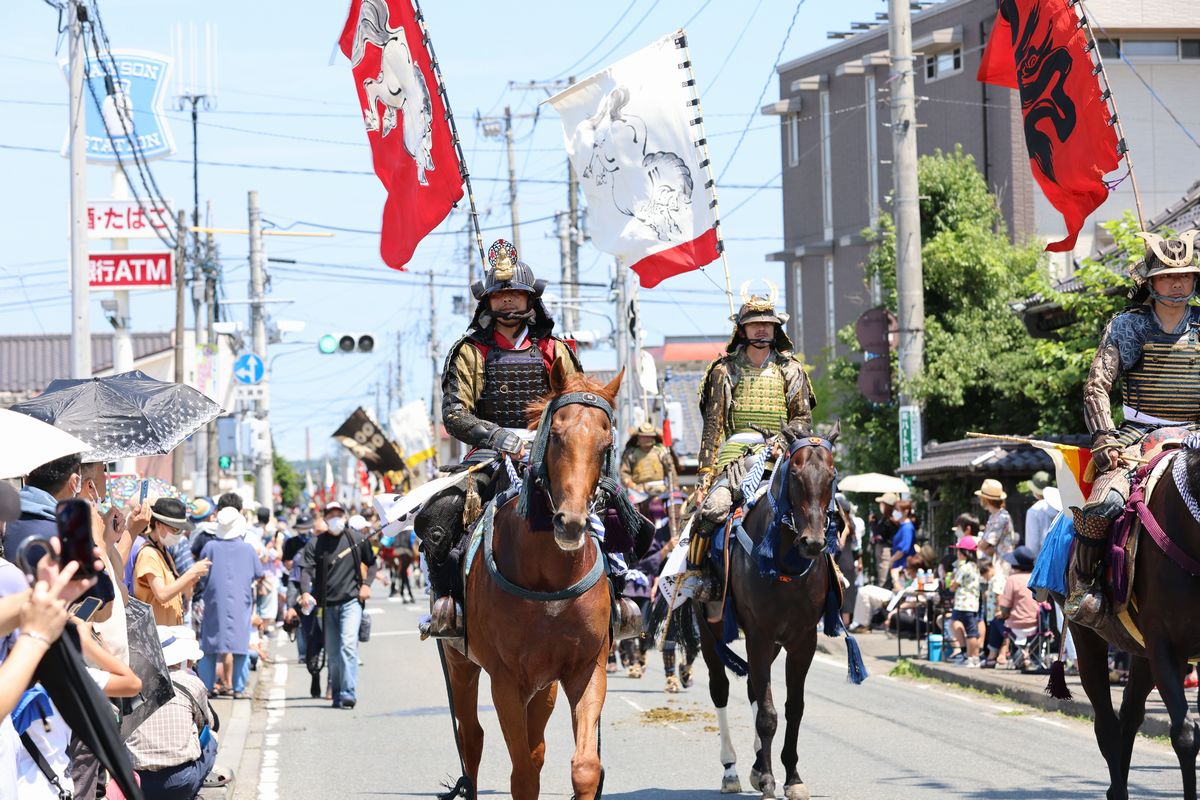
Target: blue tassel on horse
{"type": "Point", "coordinates": [856, 670]}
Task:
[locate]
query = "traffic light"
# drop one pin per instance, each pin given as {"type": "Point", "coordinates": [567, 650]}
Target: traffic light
{"type": "Point", "coordinates": [224, 462]}
{"type": "Point", "coordinates": [346, 343]}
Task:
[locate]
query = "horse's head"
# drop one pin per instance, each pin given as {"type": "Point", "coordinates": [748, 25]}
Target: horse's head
{"type": "Point", "coordinates": [577, 446]}
{"type": "Point", "coordinates": [810, 486]}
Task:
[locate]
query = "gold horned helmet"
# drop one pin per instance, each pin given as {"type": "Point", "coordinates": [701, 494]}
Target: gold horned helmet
{"type": "Point", "coordinates": [1167, 256]}
{"type": "Point", "coordinates": [758, 307]}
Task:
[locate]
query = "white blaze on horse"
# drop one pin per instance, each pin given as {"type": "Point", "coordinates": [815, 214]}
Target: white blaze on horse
{"type": "Point", "coordinates": [400, 85]}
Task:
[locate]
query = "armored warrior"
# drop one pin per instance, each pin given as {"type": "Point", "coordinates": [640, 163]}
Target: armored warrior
{"type": "Point", "coordinates": [647, 466]}
{"type": "Point", "coordinates": [491, 375]}
{"type": "Point", "coordinates": [758, 385]}
{"type": "Point", "coordinates": [1153, 349]}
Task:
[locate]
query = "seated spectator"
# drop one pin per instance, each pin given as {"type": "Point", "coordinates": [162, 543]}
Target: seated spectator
{"type": "Point", "coordinates": [156, 579]}
{"type": "Point", "coordinates": [965, 616]}
{"type": "Point", "coordinates": [174, 750]}
{"type": "Point", "coordinates": [1016, 610]}
{"type": "Point", "coordinates": [871, 600]}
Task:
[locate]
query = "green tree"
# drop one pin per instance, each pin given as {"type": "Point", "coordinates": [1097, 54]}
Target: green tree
{"type": "Point", "coordinates": [976, 348]}
{"type": "Point", "coordinates": [290, 482]}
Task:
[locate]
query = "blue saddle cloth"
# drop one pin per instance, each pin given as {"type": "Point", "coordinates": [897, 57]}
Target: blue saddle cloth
{"type": "Point", "coordinates": [1050, 569]}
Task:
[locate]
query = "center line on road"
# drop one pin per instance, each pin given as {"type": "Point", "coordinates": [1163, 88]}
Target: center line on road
{"type": "Point", "coordinates": [268, 776]}
{"type": "Point", "coordinates": [394, 633]}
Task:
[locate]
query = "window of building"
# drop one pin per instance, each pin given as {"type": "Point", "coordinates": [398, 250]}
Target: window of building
{"type": "Point", "coordinates": [830, 308]}
{"type": "Point", "coordinates": [1109, 48]}
{"type": "Point", "coordinates": [1151, 49]}
{"type": "Point", "coordinates": [943, 64]}
{"type": "Point", "coordinates": [793, 125]}
{"type": "Point", "coordinates": [826, 169]}
{"type": "Point", "coordinates": [1189, 49]}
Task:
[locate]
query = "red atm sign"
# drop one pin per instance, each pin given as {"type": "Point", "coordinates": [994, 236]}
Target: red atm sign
{"type": "Point", "coordinates": [129, 270]}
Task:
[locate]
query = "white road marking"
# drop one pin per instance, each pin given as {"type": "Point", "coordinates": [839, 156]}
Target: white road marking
{"type": "Point", "coordinates": [374, 610]}
{"type": "Point", "coordinates": [394, 633]}
{"type": "Point", "coordinates": [268, 776]}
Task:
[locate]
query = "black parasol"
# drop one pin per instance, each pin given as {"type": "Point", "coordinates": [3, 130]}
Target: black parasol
{"type": "Point", "coordinates": [85, 710]}
{"type": "Point", "coordinates": [130, 414]}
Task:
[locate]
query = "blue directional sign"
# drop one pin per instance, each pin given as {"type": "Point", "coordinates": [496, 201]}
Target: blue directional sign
{"type": "Point", "coordinates": [130, 88]}
{"type": "Point", "coordinates": [249, 369]}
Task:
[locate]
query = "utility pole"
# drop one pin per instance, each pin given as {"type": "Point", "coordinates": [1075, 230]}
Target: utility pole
{"type": "Point", "coordinates": [81, 328]}
{"type": "Point", "coordinates": [435, 396]}
{"type": "Point", "coordinates": [400, 370]}
{"type": "Point", "coordinates": [494, 127]}
{"type": "Point", "coordinates": [571, 283]}
{"type": "Point", "coordinates": [264, 471]}
{"type": "Point", "coordinates": [122, 335]}
{"type": "Point", "coordinates": [910, 297]}
{"type": "Point", "coordinates": [213, 468]}
{"type": "Point", "coordinates": [180, 283]}
{"type": "Point", "coordinates": [562, 223]}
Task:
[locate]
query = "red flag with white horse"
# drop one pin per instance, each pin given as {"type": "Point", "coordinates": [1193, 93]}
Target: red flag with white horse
{"type": "Point", "coordinates": [407, 121]}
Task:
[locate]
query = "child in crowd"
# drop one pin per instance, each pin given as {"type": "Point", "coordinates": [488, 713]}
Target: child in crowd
{"type": "Point", "coordinates": [965, 582]}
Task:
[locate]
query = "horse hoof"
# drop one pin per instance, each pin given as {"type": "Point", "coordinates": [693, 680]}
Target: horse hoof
{"type": "Point", "coordinates": [755, 779]}
{"type": "Point", "coordinates": [796, 791]}
{"type": "Point", "coordinates": [731, 785]}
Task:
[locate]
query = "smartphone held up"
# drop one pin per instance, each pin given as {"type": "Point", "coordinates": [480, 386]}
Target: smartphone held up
{"type": "Point", "coordinates": [74, 519]}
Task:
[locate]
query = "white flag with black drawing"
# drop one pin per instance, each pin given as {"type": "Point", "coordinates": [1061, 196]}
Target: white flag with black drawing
{"type": "Point", "coordinates": [632, 133]}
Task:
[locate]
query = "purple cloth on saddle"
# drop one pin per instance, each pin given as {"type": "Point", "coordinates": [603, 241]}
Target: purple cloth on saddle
{"type": "Point", "coordinates": [616, 538]}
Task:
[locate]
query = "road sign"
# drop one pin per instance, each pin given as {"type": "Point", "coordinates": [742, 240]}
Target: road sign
{"type": "Point", "coordinates": [876, 330]}
{"type": "Point", "coordinates": [875, 379]}
{"type": "Point", "coordinates": [910, 435]}
{"type": "Point", "coordinates": [249, 392]}
{"type": "Point", "coordinates": [248, 369]}
{"type": "Point", "coordinates": [128, 270]}
{"type": "Point", "coordinates": [127, 219]}
{"type": "Point", "coordinates": [134, 104]}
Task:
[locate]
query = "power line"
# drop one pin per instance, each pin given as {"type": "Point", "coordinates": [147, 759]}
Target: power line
{"type": "Point", "coordinates": [591, 67]}
{"type": "Point", "coordinates": [729, 55]}
{"type": "Point", "coordinates": [599, 42]}
{"type": "Point", "coordinates": [778, 56]}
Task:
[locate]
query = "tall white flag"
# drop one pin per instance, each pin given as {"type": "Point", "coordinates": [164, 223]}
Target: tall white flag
{"type": "Point", "coordinates": [633, 135]}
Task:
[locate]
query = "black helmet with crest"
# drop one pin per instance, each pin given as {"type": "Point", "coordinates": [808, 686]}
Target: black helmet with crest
{"type": "Point", "coordinates": [509, 273]}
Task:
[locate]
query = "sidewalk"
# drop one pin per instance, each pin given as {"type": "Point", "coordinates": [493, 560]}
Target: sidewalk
{"type": "Point", "coordinates": [880, 654]}
{"type": "Point", "coordinates": [235, 716]}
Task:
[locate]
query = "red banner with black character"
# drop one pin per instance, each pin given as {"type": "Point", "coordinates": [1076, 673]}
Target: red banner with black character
{"type": "Point", "coordinates": [407, 122]}
{"type": "Point", "coordinates": [1039, 48]}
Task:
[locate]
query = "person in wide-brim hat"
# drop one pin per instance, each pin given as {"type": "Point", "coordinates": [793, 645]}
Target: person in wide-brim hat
{"type": "Point", "coordinates": [171, 512]}
{"type": "Point", "coordinates": [992, 490]}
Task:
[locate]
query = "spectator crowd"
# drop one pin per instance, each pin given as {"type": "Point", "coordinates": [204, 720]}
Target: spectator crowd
{"type": "Point", "coordinates": [182, 602]}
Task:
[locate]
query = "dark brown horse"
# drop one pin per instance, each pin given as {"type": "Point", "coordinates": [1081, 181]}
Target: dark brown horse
{"type": "Point", "coordinates": [530, 645]}
{"type": "Point", "coordinates": [1168, 597]}
{"type": "Point", "coordinates": [777, 612]}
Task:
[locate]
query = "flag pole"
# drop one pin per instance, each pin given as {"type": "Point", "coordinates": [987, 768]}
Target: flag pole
{"type": "Point", "coordinates": [462, 161]}
{"type": "Point", "coordinates": [1107, 95]}
{"type": "Point", "coordinates": [681, 42]}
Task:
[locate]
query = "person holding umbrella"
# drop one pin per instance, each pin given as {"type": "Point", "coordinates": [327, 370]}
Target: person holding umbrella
{"type": "Point", "coordinates": [155, 579]}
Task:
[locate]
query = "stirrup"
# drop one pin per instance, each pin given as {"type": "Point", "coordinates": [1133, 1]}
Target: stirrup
{"type": "Point", "coordinates": [628, 622]}
{"type": "Point", "coordinates": [445, 621]}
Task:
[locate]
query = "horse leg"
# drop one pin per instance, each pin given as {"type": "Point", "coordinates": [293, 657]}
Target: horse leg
{"type": "Point", "coordinates": [1168, 670]}
{"type": "Point", "coordinates": [718, 692]}
{"type": "Point", "coordinates": [1133, 710]}
{"type": "Point", "coordinates": [525, 779]}
{"type": "Point", "coordinates": [464, 678]}
{"type": "Point", "coordinates": [537, 714]}
{"type": "Point", "coordinates": [1092, 658]}
{"type": "Point", "coordinates": [766, 720]}
{"type": "Point", "coordinates": [586, 695]}
{"type": "Point", "coordinates": [759, 765]}
{"type": "Point", "coordinates": [798, 663]}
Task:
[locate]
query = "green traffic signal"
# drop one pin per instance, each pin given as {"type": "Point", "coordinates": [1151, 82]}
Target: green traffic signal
{"type": "Point", "coordinates": [327, 344]}
{"type": "Point", "coordinates": [224, 462]}
{"type": "Point", "coordinates": [346, 343]}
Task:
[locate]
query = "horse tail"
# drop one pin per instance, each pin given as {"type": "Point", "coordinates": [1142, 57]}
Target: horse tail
{"type": "Point", "coordinates": [372, 27]}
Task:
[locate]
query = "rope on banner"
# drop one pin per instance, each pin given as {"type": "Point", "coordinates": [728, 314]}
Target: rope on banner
{"type": "Point", "coordinates": [462, 161]}
{"type": "Point", "coordinates": [701, 142]}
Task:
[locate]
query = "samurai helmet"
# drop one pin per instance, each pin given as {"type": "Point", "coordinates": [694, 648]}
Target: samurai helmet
{"type": "Point", "coordinates": [1167, 256]}
{"type": "Point", "coordinates": [507, 272]}
{"type": "Point", "coordinates": [759, 307]}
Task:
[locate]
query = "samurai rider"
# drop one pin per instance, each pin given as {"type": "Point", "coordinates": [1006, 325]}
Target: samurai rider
{"type": "Point", "coordinates": [1153, 349]}
{"type": "Point", "coordinates": [758, 385]}
{"type": "Point", "coordinates": [647, 466]}
{"type": "Point", "coordinates": [491, 375]}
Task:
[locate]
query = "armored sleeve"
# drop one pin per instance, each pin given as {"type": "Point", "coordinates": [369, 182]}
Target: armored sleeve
{"type": "Point", "coordinates": [1102, 377]}
{"type": "Point", "coordinates": [627, 466]}
{"type": "Point", "coordinates": [800, 398]}
{"type": "Point", "coordinates": [462, 383]}
{"type": "Point", "coordinates": [713, 408]}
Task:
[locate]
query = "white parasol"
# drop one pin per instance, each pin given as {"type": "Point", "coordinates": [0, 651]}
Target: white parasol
{"type": "Point", "coordinates": [873, 483]}
{"type": "Point", "coordinates": [26, 443]}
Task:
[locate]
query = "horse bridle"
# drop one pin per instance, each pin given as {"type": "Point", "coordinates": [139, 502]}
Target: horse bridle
{"type": "Point", "coordinates": [786, 520]}
{"type": "Point", "coordinates": [538, 475]}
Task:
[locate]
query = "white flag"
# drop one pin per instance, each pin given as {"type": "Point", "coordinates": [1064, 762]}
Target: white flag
{"type": "Point", "coordinates": [413, 432]}
{"type": "Point", "coordinates": [632, 134]}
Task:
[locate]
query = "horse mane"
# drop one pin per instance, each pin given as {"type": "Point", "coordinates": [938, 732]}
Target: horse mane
{"type": "Point", "coordinates": [575, 382]}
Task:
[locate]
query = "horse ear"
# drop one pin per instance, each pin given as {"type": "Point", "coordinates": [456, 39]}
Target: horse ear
{"type": "Point", "coordinates": [558, 376]}
{"type": "Point", "coordinates": [614, 385]}
{"type": "Point", "coordinates": [836, 432]}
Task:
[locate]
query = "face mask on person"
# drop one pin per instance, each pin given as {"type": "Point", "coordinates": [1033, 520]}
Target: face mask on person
{"type": "Point", "coordinates": [897, 516]}
{"type": "Point", "coordinates": [336, 525]}
{"type": "Point", "coordinates": [172, 539]}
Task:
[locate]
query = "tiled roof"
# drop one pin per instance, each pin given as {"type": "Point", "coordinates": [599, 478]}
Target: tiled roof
{"type": "Point", "coordinates": [28, 362]}
{"type": "Point", "coordinates": [986, 457]}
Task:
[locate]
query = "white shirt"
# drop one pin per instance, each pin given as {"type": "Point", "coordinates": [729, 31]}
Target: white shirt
{"type": "Point", "coordinates": [1038, 520]}
{"type": "Point", "coordinates": [52, 740]}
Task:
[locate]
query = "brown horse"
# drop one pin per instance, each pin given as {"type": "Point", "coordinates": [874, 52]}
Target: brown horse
{"type": "Point", "coordinates": [1167, 598]}
{"type": "Point", "coordinates": [530, 645]}
{"type": "Point", "coordinates": [777, 612]}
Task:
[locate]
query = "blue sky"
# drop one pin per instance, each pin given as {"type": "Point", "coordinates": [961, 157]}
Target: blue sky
{"type": "Point", "coordinates": [283, 103]}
